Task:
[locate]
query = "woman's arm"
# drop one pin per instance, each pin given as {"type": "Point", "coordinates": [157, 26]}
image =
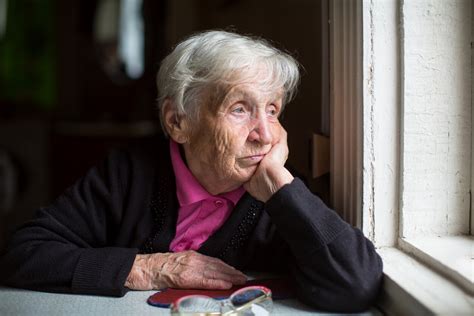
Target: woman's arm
{"type": "Point", "coordinates": [335, 267]}
{"type": "Point", "coordinates": [66, 247]}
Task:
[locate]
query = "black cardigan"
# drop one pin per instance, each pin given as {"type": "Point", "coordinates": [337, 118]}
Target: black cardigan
{"type": "Point", "coordinates": [86, 241]}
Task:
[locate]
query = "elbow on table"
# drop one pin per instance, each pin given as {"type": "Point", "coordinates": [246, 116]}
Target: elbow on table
{"type": "Point", "coordinates": [349, 302]}
{"type": "Point", "coordinates": [344, 299]}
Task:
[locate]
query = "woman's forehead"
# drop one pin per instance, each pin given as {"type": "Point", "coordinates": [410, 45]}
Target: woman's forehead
{"type": "Point", "coordinates": [256, 84]}
{"type": "Point", "coordinates": [252, 91]}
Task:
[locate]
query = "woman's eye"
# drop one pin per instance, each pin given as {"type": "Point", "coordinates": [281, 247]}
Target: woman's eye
{"type": "Point", "coordinates": [272, 111]}
{"type": "Point", "coordinates": [238, 110]}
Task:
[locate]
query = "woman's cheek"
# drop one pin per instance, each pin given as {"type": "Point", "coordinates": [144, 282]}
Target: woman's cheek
{"type": "Point", "coordinates": [276, 132]}
{"type": "Point", "coordinates": [223, 141]}
{"type": "Point", "coordinates": [238, 119]}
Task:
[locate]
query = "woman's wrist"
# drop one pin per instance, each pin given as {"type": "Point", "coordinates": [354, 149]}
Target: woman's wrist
{"type": "Point", "coordinates": [281, 178]}
{"type": "Point", "coordinates": [145, 273]}
{"type": "Point", "coordinates": [137, 278]}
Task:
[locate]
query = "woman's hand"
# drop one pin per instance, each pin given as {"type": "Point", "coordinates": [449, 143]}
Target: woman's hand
{"type": "Point", "coordinates": [184, 270]}
{"type": "Point", "coordinates": [271, 173]}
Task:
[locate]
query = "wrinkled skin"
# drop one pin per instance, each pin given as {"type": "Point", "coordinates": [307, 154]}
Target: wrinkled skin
{"type": "Point", "coordinates": [237, 140]}
{"type": "Point", "coordinates": [185, 270]}
{"type": "Point", "coordinates": [224, 149]}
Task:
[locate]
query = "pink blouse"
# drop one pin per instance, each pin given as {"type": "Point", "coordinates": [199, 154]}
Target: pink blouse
{"type": "Point", "coordinates": [200, 214]}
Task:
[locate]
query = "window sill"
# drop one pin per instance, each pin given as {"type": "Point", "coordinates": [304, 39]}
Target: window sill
{"type": "Point", "coordinates": [451, 256]}
{"type": "Point", "coordinates": [411, 288]}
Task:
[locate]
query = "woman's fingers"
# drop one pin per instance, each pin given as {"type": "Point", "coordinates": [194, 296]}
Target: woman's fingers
{"type": "Point", "coordinates": [213, 284]}
{"type": "Point", "coordinates": [219, 265]}
{"type": "Point", "coordinates": [220, 275]}
{"type": "Point", "coordinates": [210, 268]}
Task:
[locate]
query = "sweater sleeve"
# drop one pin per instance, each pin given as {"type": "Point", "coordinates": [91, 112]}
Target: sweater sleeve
{"type": "Point", "coordinates": [335, 267]}
{"type": "Point", "coordinates": [66, 247]}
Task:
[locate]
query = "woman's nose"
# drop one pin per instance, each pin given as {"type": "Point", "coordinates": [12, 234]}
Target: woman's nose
{"type": "Point", "coordinates": [261, 131]}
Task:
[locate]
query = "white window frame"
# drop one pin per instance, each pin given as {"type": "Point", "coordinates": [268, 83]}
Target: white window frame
{"type": "Point", "coordinates": [472, 122]}
{"type": "Point", "coordinates": [415, 280]}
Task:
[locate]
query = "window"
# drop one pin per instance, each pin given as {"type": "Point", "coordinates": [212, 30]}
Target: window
{"type": "Point", "coordinates": [472, 122]}
{"type": "Point", "coordinates": [436, 131]}
{"type": "Point", "coordinates": [417, 142]}
{"type": "Point", "coordinates": [119, 33]}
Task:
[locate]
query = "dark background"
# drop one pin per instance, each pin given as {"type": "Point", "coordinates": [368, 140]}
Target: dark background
{"type": "Point", "coordinates": [62, 108]}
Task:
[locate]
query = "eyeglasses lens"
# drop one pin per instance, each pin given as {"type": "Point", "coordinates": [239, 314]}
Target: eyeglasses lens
{"type": "Point", "coordinates": [252, 301]}
{"type": "Point", "coordinates": [242, 298]}
{"type": "Point", "coordinates": [245, 302]}
{"type": "Point", "coordinates": [199, 304]}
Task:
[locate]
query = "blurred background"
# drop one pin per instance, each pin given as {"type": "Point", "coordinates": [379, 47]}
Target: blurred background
{"type": "Point", "coordinates": [77, 78]}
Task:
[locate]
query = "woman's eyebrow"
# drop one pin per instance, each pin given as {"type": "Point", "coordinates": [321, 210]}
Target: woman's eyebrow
{"type": "Point", "coordinates": [252, 98]}
{"type": "Point", "coordinates": [237, 94]}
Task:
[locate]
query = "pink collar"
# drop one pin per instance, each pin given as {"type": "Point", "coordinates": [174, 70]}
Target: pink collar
{"type": "Point", "coordinates": [188, 189]}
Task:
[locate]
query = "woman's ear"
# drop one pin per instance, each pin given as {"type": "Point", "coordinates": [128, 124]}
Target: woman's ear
{"type": "Point", "coordinates": [176, 125]}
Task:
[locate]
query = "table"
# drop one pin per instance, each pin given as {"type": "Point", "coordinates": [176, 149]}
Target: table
{"type": "Point", "coordinates": [23, 302]}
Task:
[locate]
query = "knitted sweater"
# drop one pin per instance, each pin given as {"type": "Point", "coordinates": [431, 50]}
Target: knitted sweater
{"type": "Point", "coordinates": [86, 241]}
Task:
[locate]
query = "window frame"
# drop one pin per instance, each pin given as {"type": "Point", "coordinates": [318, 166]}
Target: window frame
{"type": "Point", "coordinates": [472, 123]}
{"type": "Point", "coordinates": [381, 78]}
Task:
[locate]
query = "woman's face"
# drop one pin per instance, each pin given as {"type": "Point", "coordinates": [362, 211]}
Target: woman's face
{"type": "Point", "coordinates": [232, 135]}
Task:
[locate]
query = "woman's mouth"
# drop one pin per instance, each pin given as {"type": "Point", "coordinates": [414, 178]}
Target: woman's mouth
{"type": "Point", "coordinates": [254, 159]}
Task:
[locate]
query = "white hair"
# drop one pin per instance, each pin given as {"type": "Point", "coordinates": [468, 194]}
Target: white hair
{"type": "Point", "coordinates": [213, 58]}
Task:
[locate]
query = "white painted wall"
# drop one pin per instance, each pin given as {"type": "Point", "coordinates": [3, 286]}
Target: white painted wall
{"type": "Point", "coordinates": [381, 121]}
{"type": "Point", "coordinates": [472, 121]}
{"type": "Point", "coordinates": [417, 118]}
{"type": "Point", "coordinates": [417, 129]}
{"type": "Point", "coordinates": [436, 132]}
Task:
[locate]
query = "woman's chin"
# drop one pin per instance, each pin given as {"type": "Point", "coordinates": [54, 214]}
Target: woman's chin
{"type": "Point", "coordinates": [247, 173]}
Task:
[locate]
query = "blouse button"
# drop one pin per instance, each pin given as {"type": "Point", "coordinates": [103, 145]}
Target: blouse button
{"type": "Point", "coordinates": [218, 203]}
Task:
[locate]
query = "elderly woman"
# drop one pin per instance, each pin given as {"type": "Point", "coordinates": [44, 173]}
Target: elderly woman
{"type": "Point", "coordinates": [213, 198]}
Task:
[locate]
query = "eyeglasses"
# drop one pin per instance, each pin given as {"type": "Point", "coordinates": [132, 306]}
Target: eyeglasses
{"type": "Point", "coordinates": [252, 300]}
